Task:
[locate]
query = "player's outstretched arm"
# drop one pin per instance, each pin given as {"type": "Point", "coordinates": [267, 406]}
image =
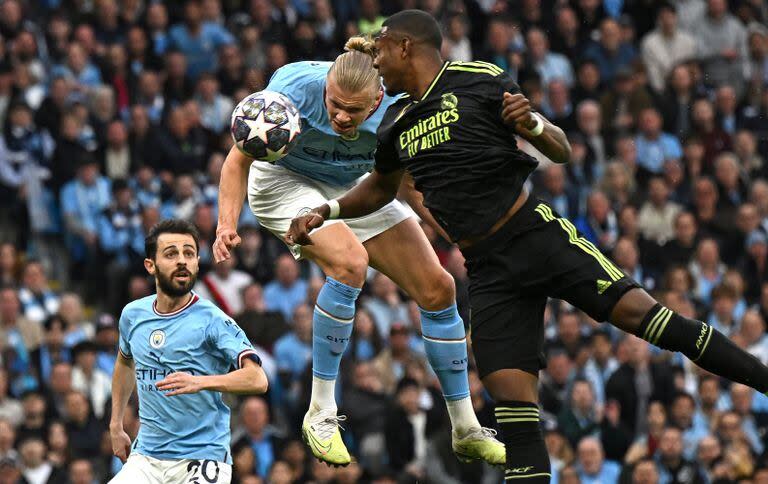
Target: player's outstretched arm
{"type": "Point", "coordinates": [248, 380]}
{"type": "Point", "coordinates": [232, 190]}
{"type": "Point", "coordinates": [366, 197]}
{"type": "Point", "coordinates": [123, 383]}
{"type": "Point", "coordinates": [548, 139]}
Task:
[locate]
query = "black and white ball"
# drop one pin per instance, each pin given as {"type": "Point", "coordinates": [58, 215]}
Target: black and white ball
{"type": "Point", "coordinates": [265, 125]}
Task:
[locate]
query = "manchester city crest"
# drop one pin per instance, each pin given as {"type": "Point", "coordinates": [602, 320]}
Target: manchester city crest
{"type": "Point", "coordinates": [157, 338]}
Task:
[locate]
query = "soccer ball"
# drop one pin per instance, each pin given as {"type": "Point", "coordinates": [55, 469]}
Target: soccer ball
{"type": "Point", "coordinates": [265, 125]}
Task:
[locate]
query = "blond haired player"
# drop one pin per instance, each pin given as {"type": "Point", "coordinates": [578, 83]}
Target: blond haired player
{"type": "Point", "coordinates": [341, 105]}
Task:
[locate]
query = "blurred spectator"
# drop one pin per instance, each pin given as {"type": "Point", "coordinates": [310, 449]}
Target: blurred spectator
{"type": "Point", "coordinates": [677, 99]}
{"type": "Point", "coordinates": [185, 199]}
{"type": "Point", "coordinates": [646, 444]}
{"type": "Point", "coordinates": [549, 65]}
{"type": "Point", "coordinates": [14, 327]}
{"type": "Point", "coordinates": [638, 381]}
{"type": "Point", "coordinates": [557, 192]}
{"type": "Point", "coordinates": [287, 290]}
{"type": "Point", "coordinates": [36, 469]}
{"type": "Point", "coordinates": [81, 472]}
{"type": "Point", "coordinates": [391, 364]}
{"type": "Point", "coordinates": [621, 106]}
{"type": "Point", "coordinates": [293, 351]}
{"type": "Point", "coordinates": [224, 286]}
{"type": "Point", "coordinates": [666, 47]}
{"type": "Point", "coordinates": [262, 437]}
{"type": "Point", "coordinates": [456, 45]}
{"type": "Point", "coordinates": [713, 137]}
{"type": "Point", "coordinates": [673, 466]}
{"type": "Point", "coordinates": [592, 466]}
{"type": "Point", "coordinates": [406, 431]}
{"type": "Point", "coordinates": [654, 147]}
{"type": "Point", "coordinates": [722, 45]}
{"type": "Point", "coordinates": [198, 39]}
{"type": "Point", "coordinates": [558, 107]}
{"type": "Point", "coordinates": [657, 215]}
{"type": "Point", "coordinates": [554, 381]}
{"type": "Point", "coordinates": [587, 82]}
{"type": "Point", "coordinates": [88, 379]}
{"type": "Point", "coordinates": [599, 225]}
{"type": "Point", "coordinates": [385, 305]}
{"type": "Point", "coordinates": [181, 148]}
{"type": "Point", "coordinates": [78, 69]}
{"type": "Point", "coordinates": [83, 430]}
{"type": "Point", "coordinates": [38, 301]}
{"type": "Point", "coordinates": [262, 326]}
{"type": "Point", "coordinates": [610, 53]}
{"type": "Point", "coordinates": [590, 125]}
{"type": "Point", "coordinates": [580, 417]}
{"type": "Point", "coordinates": [216, 108]}
{"type": "Point", "coordinates": [76, 328]}
{"type": "Point", "coordinates": [706, 268]}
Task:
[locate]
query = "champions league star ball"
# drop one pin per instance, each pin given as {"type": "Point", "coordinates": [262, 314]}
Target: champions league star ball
{"type": "Point", "coordinates": [265, 125]}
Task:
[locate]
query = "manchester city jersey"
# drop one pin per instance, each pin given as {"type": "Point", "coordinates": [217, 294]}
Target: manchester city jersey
{"type": "Point", "coordinates": [320, 153]}
{"type": "Point", "coordinates": [198, 339]}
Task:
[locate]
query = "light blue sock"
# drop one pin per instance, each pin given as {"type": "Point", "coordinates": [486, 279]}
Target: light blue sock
{"type": "Point", "coordinates": [332, 327]}
{"type": "Point", "coordinates": [446, 347]}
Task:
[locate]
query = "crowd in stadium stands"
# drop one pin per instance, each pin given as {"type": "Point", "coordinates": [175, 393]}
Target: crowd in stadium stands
{"type": "Point", "coordinates": [115, 115]}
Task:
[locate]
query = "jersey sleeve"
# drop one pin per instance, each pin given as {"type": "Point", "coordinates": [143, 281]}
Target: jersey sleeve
{"type": "Point", "coordinates": [229, 342]}
{"type": "Point", "coordinates": [123, 326]}
{"type": "Point", "coordinates": [386, 159]}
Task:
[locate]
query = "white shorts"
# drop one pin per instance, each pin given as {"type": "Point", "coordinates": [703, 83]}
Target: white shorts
{"type": "Point", "coordinates": [276, 195]}
{"type": "Point", "coordinates": [142, 469]}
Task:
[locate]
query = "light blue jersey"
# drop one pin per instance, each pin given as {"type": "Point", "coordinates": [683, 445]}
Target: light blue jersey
{"type": "Point", "coordinates": [320, 153]}
{"type": "Point", "coordinates": [198, 339]}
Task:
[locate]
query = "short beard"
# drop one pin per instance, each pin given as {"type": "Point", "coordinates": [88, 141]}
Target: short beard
{"type": "Point", "coordinates": [173, 289]}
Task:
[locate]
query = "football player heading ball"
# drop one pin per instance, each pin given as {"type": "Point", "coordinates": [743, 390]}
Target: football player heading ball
{"type": "Point", "coordinates": [341, 105]}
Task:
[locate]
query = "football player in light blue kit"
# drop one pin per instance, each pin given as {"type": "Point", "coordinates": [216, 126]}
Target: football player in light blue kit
{"type": "Point", "coordinates": [341, 105]}
{"type": "Point", "coordinates": [177, 349]}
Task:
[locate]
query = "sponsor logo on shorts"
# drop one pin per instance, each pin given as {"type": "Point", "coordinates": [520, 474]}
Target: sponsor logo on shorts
{"type": "Point", "coordinates": [520, 470]}
{"type": "Point", "coordinates": [602, 286]}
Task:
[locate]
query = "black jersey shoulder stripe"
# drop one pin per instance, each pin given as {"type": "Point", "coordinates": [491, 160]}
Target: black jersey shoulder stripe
{"type": "Point", "coordinates": [479, 65]}
{"type": "Point", "coordinates": [475, 70]}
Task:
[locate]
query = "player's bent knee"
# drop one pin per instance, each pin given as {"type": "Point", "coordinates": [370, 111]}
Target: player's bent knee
{"type": "Point", "coordinates": [348, 266]}
{"type": "Point", "coordinates": [438, 293]}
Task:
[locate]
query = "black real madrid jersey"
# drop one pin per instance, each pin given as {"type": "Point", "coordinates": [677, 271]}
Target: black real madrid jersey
{"type": "Point", "coordinates": [463, 157]}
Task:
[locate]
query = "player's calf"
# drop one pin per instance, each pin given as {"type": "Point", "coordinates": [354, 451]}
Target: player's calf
{"type": "Point", "coordinates": [527, 456]}
{"type": "Point", "coordinates": [704, 345]}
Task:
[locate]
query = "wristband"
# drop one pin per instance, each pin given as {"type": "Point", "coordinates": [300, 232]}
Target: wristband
{"type": "Point", "coordinates": [333, 209]}
{"type": "Point", "coordinates": [539, 128]}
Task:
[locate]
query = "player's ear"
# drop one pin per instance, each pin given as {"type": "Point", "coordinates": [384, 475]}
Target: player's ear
{"type": "Point", "coordinates": [149, 265]}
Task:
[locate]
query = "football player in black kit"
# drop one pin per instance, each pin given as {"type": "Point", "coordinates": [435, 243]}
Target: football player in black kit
{"type": "Point", "coordinates": [454, 132]}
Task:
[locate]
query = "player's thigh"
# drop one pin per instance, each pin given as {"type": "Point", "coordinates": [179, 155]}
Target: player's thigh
{"type": "Point", "coordinates": [138, 469]}
{"type": "Point", "coordinates": [193, 471]}
{"type": "Point", "coordinates": [277, 195]}
{"type": "Point", "coordinates": [507, 331]}
{"type": "Point", "coordinates": [580, 273]}
{"type": "Point", "coordinates": [404, 254]}
{"type": "Point", "coordinates": [339, 253]}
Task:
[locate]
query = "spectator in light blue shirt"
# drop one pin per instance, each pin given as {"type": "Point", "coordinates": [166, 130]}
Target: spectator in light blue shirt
{"type": "Point", "coordinates": [592, 466]}
{"type": "Point", "coordinates": [82, 202]}
{"type": "Point", "coordinates": [293, 350]}
{"type": "Point", "coordinates": [198, 40]}
{"type": "Point", "coordinates": [78, 67]}
{"type": "Point", "coordinates": [287, 291]}
{"type": "Point", "coordinates": [548, 65]}
{"type": "Point", "coordinates": [654, 147]}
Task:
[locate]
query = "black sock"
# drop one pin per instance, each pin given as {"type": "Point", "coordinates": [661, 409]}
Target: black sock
{"type": "Point", "coordinates": [527, 456]}
{"type": "Point", "coordinates": [704, 345]}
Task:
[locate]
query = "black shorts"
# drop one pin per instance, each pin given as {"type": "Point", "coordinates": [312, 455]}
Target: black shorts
{"type": "Point", "coordinates": [536, 255]}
